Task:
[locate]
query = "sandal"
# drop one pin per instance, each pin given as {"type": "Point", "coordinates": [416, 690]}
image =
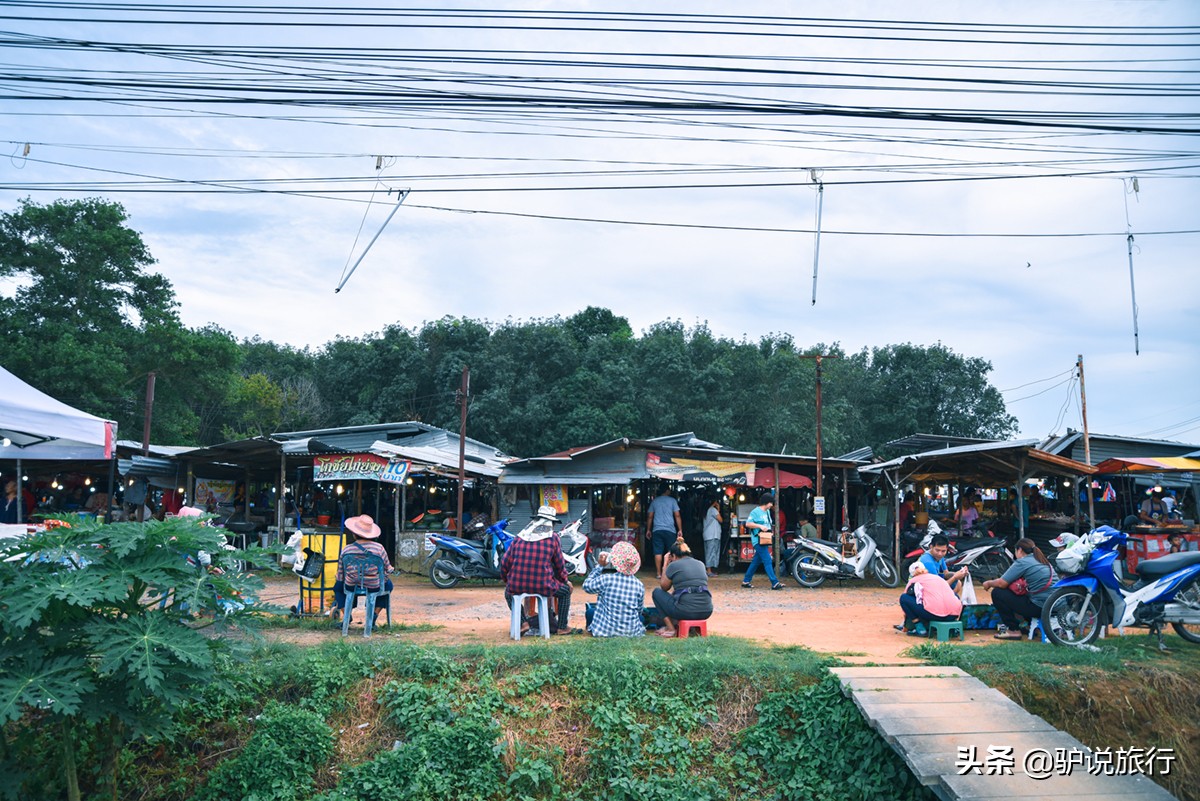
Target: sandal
{"type": "Point", "coordinates": [777, 585]}
{"type": "Point", "coordinates": [566, 631]}
{"type": "Point", "coordinates": [1008, 635]}
{"type": "Point", "coordinates": [665, 633]}
{"type": "Point", "coordinates": [899, 627]}
{"type": "Point", "coordinates": [747, 585]}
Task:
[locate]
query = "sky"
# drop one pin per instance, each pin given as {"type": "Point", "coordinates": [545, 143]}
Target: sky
{"type": "Point", "coordinates": [981, 166]}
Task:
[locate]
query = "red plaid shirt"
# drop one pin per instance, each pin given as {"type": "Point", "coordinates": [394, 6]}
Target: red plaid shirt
{"type": "Point", "coordinates": [534, 567]}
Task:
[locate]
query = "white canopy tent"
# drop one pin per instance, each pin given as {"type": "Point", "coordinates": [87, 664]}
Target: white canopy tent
{"type": "Point", "coordinates": [35, 426]}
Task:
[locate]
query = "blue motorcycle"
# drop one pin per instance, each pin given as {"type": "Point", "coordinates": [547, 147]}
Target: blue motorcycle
{"type": "Point", "coordinates": [1167, 590]}
{"type": "Point", "coordinates": [458, 558]}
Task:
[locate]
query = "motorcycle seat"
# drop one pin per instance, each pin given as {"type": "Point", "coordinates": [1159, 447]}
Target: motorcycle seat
{"type": "Point", "coordinates": [1154, 569]}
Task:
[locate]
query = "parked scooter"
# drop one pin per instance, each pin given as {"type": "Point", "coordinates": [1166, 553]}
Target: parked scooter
{"type": "Point", "coordinates": [576, 549]}
{"type": "Point", "coordinates": [813, 561]}
{"type": "Point", "coordinates": [987, 556]}
{"type": "Point", "coordinates": [1091, 594]}
{"type": "Point", "coordinates": [458, 558]}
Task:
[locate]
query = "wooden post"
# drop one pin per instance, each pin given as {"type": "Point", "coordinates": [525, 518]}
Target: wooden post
{"type": "Point", "coordinates": [1087, 447]}
{"type": "Point", "coordinates": [462, 444]}
{"type": "Point", "coordinates": [778, 532]}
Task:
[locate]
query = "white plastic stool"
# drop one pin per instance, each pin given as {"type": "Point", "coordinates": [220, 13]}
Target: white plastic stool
{"type": "Point", "coordinates": [1036, 625]}
{"type": "Point", "coordinates": [518, 606]}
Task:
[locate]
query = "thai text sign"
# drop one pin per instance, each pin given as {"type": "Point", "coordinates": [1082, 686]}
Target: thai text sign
{"type": "Point", "coordinates": [680, 469]}
{"type": "Point", "coordinates": [555, 496]}
{"type": "Point", "coordinates": [394, 473]}
{"type": "Point", "coordinates": [348, 466]}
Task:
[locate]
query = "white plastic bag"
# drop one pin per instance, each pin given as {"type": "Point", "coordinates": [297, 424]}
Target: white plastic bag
{"type": "Point", "coordinates": [295, 554]}
{"type": "Point", "coordinates": [968, 591]}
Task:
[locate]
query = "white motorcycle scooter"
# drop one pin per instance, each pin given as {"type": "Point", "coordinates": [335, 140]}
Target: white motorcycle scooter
{"type": "Point", "coordinates": [813, 561]}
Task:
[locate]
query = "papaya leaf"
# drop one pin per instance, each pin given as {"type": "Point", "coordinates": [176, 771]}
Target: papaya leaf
{"type": "Point", "coordinates": [54, 684]}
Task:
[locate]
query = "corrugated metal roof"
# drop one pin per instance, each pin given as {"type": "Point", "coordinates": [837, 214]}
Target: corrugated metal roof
{"type": "Point", "coordinates": [1110, 446]}
{"type": "Point", "coordinates": [440, 457]}
{"type": "Point", "coordinates": [920, 443]}
{"type": "Point", "coordinates": [988, 463]}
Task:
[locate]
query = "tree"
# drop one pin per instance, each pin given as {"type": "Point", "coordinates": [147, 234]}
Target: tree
{"type": "Point", "coordinates": [82, 294]}
{"type": "Point", "coordinates": [101, 629]}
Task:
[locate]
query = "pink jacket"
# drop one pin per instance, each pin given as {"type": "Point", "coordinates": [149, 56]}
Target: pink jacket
{"type": "Point", "coordinates": [933, 593]}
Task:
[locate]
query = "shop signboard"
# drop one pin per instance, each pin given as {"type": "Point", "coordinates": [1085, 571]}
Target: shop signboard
{"type": "Point", "coordinates": [212, 492]}
{"type": "Point", "coordinates": [712, 471]}
{"type": "Point", "coordinates": [555, 496]}
{"type": "Point", "coordinates": [819, 505]}
{"type": "Point", "coordinates": [395, 472]}
{"type": "Point", "coordinates": [348, 467]}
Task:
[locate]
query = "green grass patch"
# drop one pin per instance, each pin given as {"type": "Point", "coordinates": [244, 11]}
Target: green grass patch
{"type": "Point", "coordinates": [284, 622]}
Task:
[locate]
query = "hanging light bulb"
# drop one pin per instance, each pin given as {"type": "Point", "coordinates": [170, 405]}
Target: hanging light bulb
{"type": "Point", "coordinates": [340, 489]}
{"type": "Point", "coordinates": [409, 482]}
{"type": "Point", "coordinates": [87, 482]}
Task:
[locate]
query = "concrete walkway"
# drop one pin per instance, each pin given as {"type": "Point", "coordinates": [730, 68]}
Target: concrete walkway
{"type": "Point", "coordinates": [940, 720]}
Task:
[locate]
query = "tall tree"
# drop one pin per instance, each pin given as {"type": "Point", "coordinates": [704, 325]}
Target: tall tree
{"type": "Point", "coordinates": [82, 294]}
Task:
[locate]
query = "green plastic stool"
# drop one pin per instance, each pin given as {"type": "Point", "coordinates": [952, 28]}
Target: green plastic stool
{"type": "Point", "coordinates": [945, 629]}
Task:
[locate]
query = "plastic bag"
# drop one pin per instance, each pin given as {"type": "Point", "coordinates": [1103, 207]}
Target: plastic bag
{"type": "Point", "coordinates": [968, 592]}
{"type": "Point", "coordinates": [295, 546]}
{"type": "Point", "coordinates": [1074, 559]}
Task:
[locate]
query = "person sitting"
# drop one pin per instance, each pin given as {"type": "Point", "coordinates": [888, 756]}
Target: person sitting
{"type": "Point", "coordinates": [1153, 512]}
{"type": "Point", "coordinates": [1022, 590]}
{"type": "Point", "coordinates": [927, 598]}
{"type": "Point", "coordinates": [934, 560]}
{"type": "Point", "coordinates": [683, 594]}
{"type": "Point", "coordinates": [967, 514]}
{"type": "Point", "coordinates": [365, 533]}
{"type": "Point", "coordinates": [534, 565]}
{"type": "Point", "coordinates": [621, 594]}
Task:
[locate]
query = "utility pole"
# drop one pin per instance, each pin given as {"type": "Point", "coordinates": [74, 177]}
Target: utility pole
{"type": "Point", "coordinates": [820, 498]}
{"type": "Point", "coordinates": [146, 434]}
{"type": "Point", "coordinates": [1087, 445]}
{"type": "Point", "coordinates": [463, 394]}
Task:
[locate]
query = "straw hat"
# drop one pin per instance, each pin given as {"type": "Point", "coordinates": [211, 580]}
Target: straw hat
{"type": "Point", "coordinates": [362, 527]}
{"type": "Point", "coordinates": [625, 558]}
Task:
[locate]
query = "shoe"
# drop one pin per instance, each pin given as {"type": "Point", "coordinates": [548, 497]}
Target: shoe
{"type": "Point", "coordinates": [919, 631]}
{"type": "Point", "coordinates": [747, 585]}
{"type": "Point", "coordinates": [899, 627]}
{"type": "Point", "coordinates": [777, 586]}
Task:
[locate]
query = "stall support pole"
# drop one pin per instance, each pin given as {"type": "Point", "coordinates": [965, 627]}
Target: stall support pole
{"type": "Point", "coordinates": [281, 497]}
{"type": "Point", "coordinates": [778, 533]}
{"type": "Point", "coordinates": [20, 493]}
{"type": "Point", "coordinates": [189, 489]}
{"type": "Point", "coordinates": [894, 481]}
{"type": "Point", "coordinates": [246, 499]}
{"type": "Point", "coordinates": [845, 498]}
{"type": "Point", "coordinates": [397, 493]}
{"type": "Point", "coordinates": [112, 487]}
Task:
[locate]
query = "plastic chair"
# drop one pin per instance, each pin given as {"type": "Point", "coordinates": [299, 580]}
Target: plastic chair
{"type": "Point", "coordinates": [685, 628]}
{"type": "Point", "coordinates": [358, 564]}
{"type": "Point", "coordinates": [543, 613]}
{"type": "Point", "coordinates": [1036, 625]}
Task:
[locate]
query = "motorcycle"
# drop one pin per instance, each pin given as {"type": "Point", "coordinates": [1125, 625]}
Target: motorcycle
{"type": "Point", "coordinates": [576, 549]}
{"type": "Point", "coordinates": [458, 558]}
{"type": "Point", "coordinates": [813, 561]}
{"type": "Point", "coordinates": [987, 556]}
{"type": "Point", "coordinates": [1091, 593]}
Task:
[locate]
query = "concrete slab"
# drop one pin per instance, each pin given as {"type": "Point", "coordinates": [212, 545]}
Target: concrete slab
{"type": "Point", "coordinates": [931, 685]}
{"type": "Point", "coordinates": [896, 671]}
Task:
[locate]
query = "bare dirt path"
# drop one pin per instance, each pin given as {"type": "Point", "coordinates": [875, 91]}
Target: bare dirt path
{"type": "Point", "coordinates": [838, 618]}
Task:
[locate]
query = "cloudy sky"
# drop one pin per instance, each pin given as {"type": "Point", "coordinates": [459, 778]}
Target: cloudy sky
{"type": "Point", "coordinates": [981, 165]}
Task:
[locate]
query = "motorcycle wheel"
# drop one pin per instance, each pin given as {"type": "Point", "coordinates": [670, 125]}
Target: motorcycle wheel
{"type": "Point", "coordinates": [885, 572]}
{"type": "Point", "coordinates": [990, 566]}
{"type": "Point", "coordinates": [1065, 619]}
{"type": "Point", "coordinates": [1189, 631]}
{"type": "Point", "coordinates": [808, 578]}
{"type": "Point", "coordinates": [440, 578]}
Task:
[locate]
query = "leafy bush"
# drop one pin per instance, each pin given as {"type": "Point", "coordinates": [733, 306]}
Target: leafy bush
{"type": "Point", "coordinates": [277, 763]}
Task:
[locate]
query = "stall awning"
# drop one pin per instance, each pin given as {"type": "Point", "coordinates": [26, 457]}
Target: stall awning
{"type": "Point", "coordinates": [1145, 464]}
{"type": "Point", "coordinates": [442, 461]}
{"type": "Point", "coordinates": [992, 464]}
{"type": "Point", "coordinates": [765, 477]}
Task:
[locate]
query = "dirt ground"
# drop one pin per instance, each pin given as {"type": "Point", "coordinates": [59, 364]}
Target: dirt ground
{"type": "Point", "coordinates": [846, 618]}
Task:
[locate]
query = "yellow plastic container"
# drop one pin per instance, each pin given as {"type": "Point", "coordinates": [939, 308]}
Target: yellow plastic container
{"type": "Point", "coordinates": [316, 596]}
{"type": "Point", "coordinates": [921, 518]}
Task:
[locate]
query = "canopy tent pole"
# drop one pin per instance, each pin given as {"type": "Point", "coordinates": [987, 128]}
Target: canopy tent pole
{"type": "Point", "coordinates": [112, 486]}
{"type": "Point", "coordinates": [397, 494]}
{"type": "Point", "coordinates": [20, 493]}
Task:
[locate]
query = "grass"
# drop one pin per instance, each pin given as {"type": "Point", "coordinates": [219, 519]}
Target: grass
{"type": "Point", "coordinates": [324, 624]}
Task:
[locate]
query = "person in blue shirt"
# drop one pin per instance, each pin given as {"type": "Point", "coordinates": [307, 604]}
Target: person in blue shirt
{"type": "Point", "coordinates": [760, 521]}
{"type": "Point", "coordinates": [935, 562]}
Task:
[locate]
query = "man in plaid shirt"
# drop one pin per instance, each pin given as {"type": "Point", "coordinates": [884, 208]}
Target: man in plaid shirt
{"type": "Point", "coordinates": [534, 564]}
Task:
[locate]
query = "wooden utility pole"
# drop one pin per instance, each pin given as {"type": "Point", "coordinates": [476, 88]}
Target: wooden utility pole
{"type": "Point", "coordinates": [463, 393]}
{"type": "Point", "coordinates": [820, 469]}
{"type": "Point", "coordinates": [141, 515]}
{"type": "Point", "coordinates": [1087, 446]}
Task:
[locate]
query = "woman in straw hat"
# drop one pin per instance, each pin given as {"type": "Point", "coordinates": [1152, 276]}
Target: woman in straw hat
{"type": "Point", "coordinates": [366, 534]}
{"type": "Point", "coordinates": [621, 594]}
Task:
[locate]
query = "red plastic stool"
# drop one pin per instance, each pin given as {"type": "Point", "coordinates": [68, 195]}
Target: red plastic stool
{"type": "Point", "coordinates": [686, 627]}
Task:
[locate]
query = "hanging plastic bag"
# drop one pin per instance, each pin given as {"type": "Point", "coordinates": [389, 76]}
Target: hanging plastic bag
{"type": "Point", "coordinates": [968, 592]}
{"type": "Point", "coordinates": [295, 550]}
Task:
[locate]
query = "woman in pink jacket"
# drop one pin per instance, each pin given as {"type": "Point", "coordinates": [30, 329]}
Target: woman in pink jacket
{"type": "Point", "coordinates": [927, 598]}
